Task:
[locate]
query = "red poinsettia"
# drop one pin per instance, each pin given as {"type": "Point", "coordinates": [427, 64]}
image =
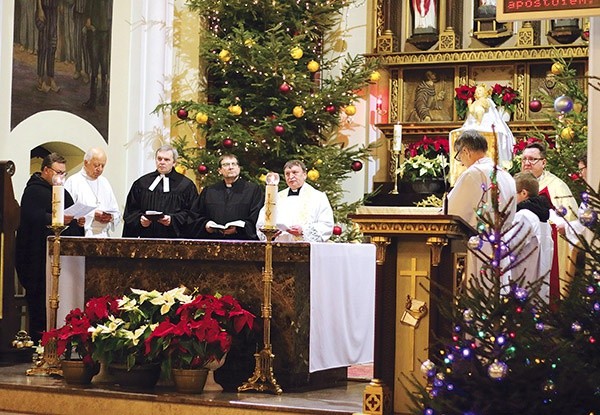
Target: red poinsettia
{"type": "Point", "coordinates": [463, 94]}
{"type": "Point", "coordinates": [429, 147]}
{"type": "Point", "coordinates": [74, 337]}
{"type": "Point", "coordinates": [201, 331]}
{"type": "Point", "coordinates": [505, 96]}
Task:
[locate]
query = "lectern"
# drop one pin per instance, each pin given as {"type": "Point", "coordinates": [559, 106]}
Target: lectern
{"type": "Point", "coordinates": [415, 247]}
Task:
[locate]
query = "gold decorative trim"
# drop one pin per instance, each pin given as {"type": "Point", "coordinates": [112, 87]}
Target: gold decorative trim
{"type": "Point", "coordinates": [410, 226]}
{"type": "Point", "coordinates": [526, 35]}
{"type": "Point", "coordinates": [381, 244]}
{"type": "Point", "coordinates": [436, 243]}
{"type": "Point", "coordinates": [485, 55]}
{"type": "Point", "coordinates": [448, 40]}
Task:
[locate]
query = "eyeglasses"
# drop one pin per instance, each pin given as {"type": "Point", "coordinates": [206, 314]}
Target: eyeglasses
{"type": "Point", "coordinates": [231, 164]}
{"type": "Point", "coordinates": [531, 160]}
{"type": "Point", "coordinates": [457, 155]}
{"type": "Point", "coordinates": [60, 173]}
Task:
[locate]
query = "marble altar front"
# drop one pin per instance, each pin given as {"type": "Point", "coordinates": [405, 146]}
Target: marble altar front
{"type": "Point", "coordinates": [113, 265]}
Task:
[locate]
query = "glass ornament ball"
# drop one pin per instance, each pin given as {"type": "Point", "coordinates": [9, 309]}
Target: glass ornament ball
{"type": "Point", "coordinates": [561, 211]}
{"type": "Point", "coordinates": [228, 143]}
{"type": "Point", "coordinates": [337, 230]}
{"type": "Point", "coordinates": [585, 197]}
{"type": "Point", "coordinates": [474, 242]}
{"type": "Point", "coordinates": [202, 169]}
{"type": "Point", "coordinates": [182, 113]}
{"type": "Point", "coordinates": [427, 367]}
{"type": "Point", "coordinates": [576, 327]}
{"type": "Point", "coordinates": [356, 165]}
{"type": "Point", "coordinates": [535, 105]}
{"type": "Point", "coordinates": [563, 104]}
{"type": "Point", "coordinates": [497, 370]}
{"type": "Point", "coordinates": [279, 130]}
{"type": "Point", "coordinates": [521, 294]}
{"type": "Point", "coordinates": [587, 216]}
{"type": "Point", "coordinates": [468, 315]}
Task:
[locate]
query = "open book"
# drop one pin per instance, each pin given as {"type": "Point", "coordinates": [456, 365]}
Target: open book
{"type": "Point", "coordinates": [154, 215]}
{"type": "Point", "coordinates": [238, 223]}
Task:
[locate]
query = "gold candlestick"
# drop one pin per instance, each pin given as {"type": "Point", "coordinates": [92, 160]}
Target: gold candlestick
{"type": "Point", "coordinates": [49, 364]}
{"type": "Point", "coordinates": [263, 379]}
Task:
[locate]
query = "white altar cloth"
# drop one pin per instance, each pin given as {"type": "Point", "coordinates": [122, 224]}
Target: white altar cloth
{"type": "Point", "coordinates": [342, 301]}
{"type": "Point", "coordinates": [342, 305]}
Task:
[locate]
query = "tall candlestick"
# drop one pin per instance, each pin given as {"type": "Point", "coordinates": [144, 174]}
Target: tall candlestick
{"type": "Point", "coordinates": [397, 140]}
{"type": "Point", "coordinates": [271, 200]}
{"type": "Point", "coordinates": [58, 205]}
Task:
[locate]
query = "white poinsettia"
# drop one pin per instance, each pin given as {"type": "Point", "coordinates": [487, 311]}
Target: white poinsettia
{"type": "Point", "coordinates": [421, 167]}
{"type": "Point", "coordinates": [167, 299]}
{"type": "Point", "coordinates": [146, 295]}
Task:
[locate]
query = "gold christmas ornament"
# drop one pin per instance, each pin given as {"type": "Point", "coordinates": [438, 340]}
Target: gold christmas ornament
{"type": "Point", "coordinates": [235, 109]}
{"type": "Point", "coordinates": [313, 66]}
{"type": "Point", "coordinates": [201, 118]}
{"type": "Point", "coordinates": [350, 110]}
{"type": "Point", "coordinates": [313, 175]}
{"type": "Point", "coordinates": [375, 76]}
{"type": "Point", "coordinates": [263, 178]}
{"type": "Point", "coordinates": [296, 52]}
{"type": "Point", "coordinates": [249, 42]}
{"type": "Point", "coordinates": [298, 111]}
{"type": "Point", "coordinates": [180, 169]}
{"type": "Point", "coordinates": [318, 162]}
{"type": "Point", "coordinates": [557, 68]}
{"type": "Point", "coordinates": [225, 55]}
{"type": "Point", "coordinates": [567, 133]}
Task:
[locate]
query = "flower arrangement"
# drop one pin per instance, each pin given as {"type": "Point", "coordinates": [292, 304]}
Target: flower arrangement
{"type": "Point", "coordinates": [504, 96]}
{"type": "Point", "coordinates": [200, 332]}
{"type": "Point", "coordinates": [73, 340]}
{"type": "Point", "coordinates": [463, 94]}
{"type": "Point", "coordinates": [120, 338]}
{"type": "Point", "coordinates": [426, 159]}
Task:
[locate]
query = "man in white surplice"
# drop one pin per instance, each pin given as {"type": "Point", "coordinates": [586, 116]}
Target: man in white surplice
{"type": "Point", "coordinates": [90, 188]}
{"type": "Point", "coordinates": [303, 212]}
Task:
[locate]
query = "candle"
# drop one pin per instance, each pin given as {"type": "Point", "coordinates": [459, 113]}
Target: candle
{"type": "Point", "coordinates": [271, 200]}
{"type": "Point", "coordinates": [58, 205]}
{"type": "Point", "coordinates": [397, 140]}
{"type": "Point", "coordinates": [379, 104]}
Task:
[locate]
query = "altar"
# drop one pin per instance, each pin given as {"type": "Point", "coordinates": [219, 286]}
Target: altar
{"type": "Point", "coordinates": [323, 295]}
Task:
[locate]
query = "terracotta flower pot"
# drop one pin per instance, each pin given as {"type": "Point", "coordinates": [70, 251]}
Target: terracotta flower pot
{"type": "Point", "coordinates": [75, 372]}
{"type": "Point", "coordinates": [189, 380]}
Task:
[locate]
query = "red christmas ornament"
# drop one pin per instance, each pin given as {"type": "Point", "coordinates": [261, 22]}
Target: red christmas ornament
{"type": "Point", "coordinates": [331, 109]}
{"type": "Point", "coordinates": [284, 88]}
{"type": "Point", "coordinates": [279, 130]}
{"type": "Point", "coordinates": [337, 230]}
{"type": "Point", "coordinates": [202, 169]}
{"type": "Point", "coordinates": [356, 165]}
{"type": "Point", "coordinates": [182, 113]}
{"type": "Point", "coordinates": [228, 143]}
{"type": "Point", "coordinates": [574, 176]}
{"type": "Point", "coordinates": [535, 105]}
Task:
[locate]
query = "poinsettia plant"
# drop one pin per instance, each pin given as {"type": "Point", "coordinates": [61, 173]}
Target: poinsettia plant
{"type": "Point", "coordinates": [201, 331]}
{"type": "Point", "coordinates": [120, 338]}
{"type": "Point", "coordinates": [504, 96]}
{"type": "Point", "coordinates": [426, 159]}
{"type": "Point", "coordinates": [73, 340]}
{"type": "Point", "coordinates": [463, 94]}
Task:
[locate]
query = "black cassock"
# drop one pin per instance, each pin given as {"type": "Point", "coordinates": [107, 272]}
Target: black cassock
{"type": "Point", "coordinates": [177, 203]}
{"type": "Point", "coordinates": [222, 204]}
{"type": "Point", "coordinates": [30, 256]}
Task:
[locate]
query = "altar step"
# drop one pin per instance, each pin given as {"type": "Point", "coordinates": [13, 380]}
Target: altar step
{"type": "Point", "coordinates": [42, 395]}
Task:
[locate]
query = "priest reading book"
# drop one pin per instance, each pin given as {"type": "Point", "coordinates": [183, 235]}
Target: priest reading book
{"type": "Point", "coordinates": [227, 209]}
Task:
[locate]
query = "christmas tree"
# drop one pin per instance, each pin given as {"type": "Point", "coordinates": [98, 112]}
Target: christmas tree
{"type": "Point", "coordinates": [271, 95]}
{"type": "Point", "coordinates": [508, 352]}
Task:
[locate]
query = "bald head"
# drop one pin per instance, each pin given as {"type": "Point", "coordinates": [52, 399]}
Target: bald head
{"type": "Point", "coordinates": [94, 162]}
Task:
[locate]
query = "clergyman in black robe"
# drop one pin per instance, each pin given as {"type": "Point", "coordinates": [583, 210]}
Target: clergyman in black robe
{"type": "Point", "coordinates": [164, 191]}
{"type": "Point", "coordinates": [233, 199]}
{"type": "Point", "coordinates": [32, 234]}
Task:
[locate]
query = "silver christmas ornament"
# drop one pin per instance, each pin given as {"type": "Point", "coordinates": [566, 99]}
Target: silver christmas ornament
{"type": "Point", "coordinates": [497, 370]}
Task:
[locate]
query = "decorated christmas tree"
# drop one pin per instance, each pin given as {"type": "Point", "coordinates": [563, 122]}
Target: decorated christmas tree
{"type": "Point", "coordinates": [508, 352]}
{"type": "Point", "coordinates": [275, 91]}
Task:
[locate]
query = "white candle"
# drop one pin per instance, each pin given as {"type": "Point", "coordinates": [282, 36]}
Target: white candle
{"type": "Point", "coordinates": [397, 140]}
{"type": "Point", "coordinates": [58, 205]}
{"type": "Point", "coordinates": [271, 200]}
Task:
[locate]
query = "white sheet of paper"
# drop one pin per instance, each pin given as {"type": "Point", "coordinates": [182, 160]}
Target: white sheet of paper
{"type": "Point", "coordinates": [78, 210]}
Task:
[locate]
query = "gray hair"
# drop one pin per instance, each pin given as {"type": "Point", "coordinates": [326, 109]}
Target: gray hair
{"type": "Point", "coordinates": [167, 147]}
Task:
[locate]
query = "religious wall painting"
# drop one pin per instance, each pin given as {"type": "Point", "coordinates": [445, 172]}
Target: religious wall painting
{"type": "Point", "coordinates": [427, 94]}
{"type": "Point", "coordinates": [542, 82]}
{"type": "Point", "coordinates": [61, 59]}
